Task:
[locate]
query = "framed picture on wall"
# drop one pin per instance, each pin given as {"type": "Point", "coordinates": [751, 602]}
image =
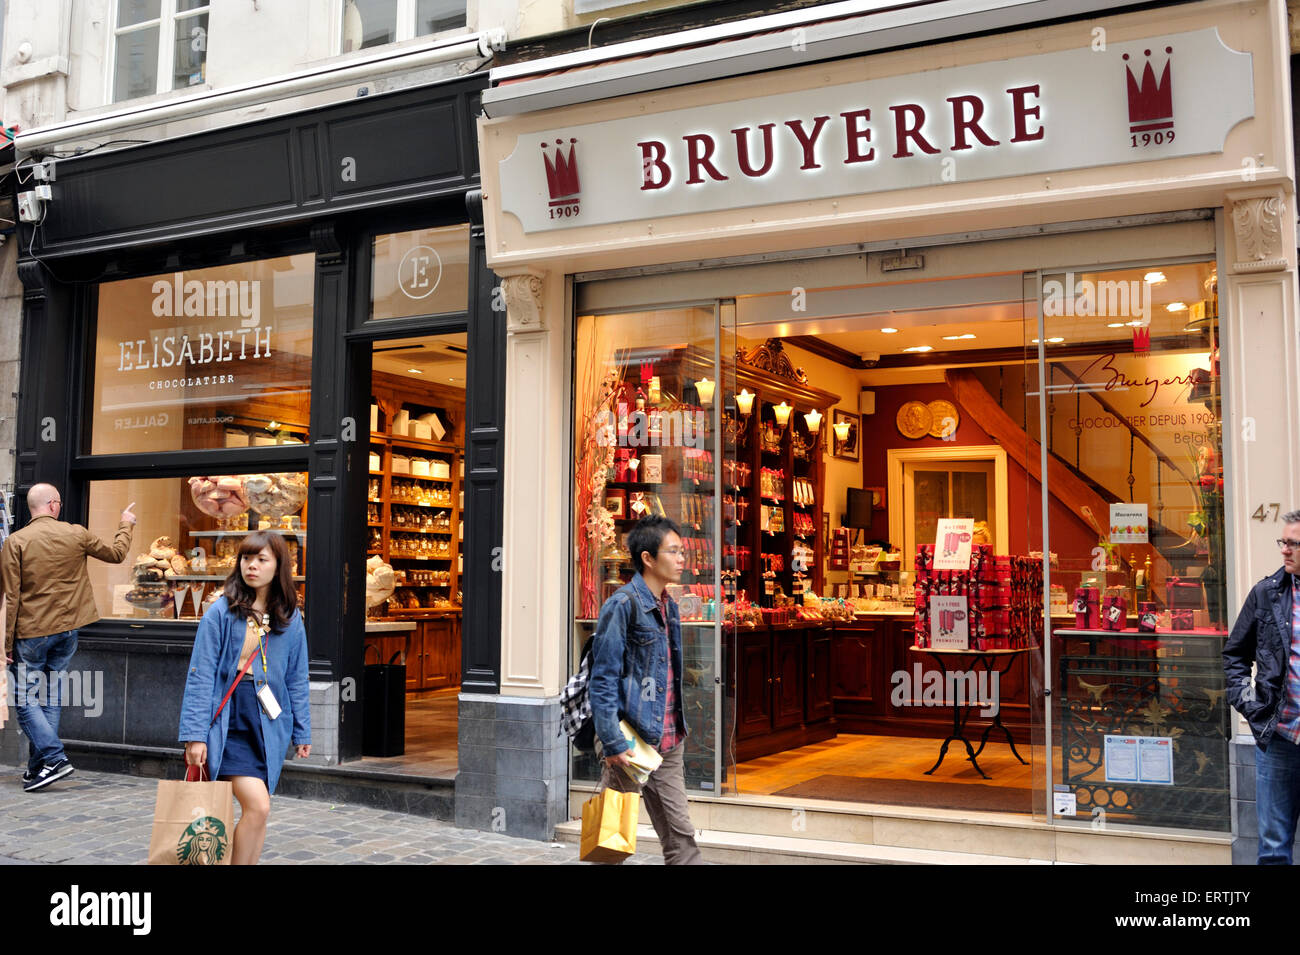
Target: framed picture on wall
{"type": "Point", "coordinates": [846, 447]}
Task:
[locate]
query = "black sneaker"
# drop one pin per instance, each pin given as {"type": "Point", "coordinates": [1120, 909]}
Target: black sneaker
{"type": "Point", "coordinates": [28, 775]}
{"type": "Point", "coordinates": [47, 775]}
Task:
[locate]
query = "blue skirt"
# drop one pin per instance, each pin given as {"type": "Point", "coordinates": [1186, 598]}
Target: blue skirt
{"type": "Point", "coordinates": [245, 752]}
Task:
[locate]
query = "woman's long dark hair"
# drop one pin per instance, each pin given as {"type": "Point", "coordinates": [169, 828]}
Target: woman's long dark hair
{"type": "Point", "coordinates": [282, 600]}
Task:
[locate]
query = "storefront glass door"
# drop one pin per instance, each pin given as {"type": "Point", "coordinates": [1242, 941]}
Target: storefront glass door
{"type": "Point", "coordinates": [649, 440]}
{"type": "Point", "coordinates": [1138, 724]}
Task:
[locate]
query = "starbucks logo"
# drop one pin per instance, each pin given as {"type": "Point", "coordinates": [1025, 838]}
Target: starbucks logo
{"type": "Point", "coordinates": [204, 842]}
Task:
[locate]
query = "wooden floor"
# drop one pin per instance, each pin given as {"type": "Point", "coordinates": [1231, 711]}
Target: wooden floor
{"type": "Point", "coordinates": [430, 737]}
{"type": "Point", "coordinates": [896, 757]}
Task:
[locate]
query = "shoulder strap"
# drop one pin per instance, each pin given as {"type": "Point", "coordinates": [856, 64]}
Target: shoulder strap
{"type": "Point", "coordinates": [239, 677]}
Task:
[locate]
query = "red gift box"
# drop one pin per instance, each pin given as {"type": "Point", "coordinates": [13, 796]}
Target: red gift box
{"type": "Point", "coordinates": [1087, 608]}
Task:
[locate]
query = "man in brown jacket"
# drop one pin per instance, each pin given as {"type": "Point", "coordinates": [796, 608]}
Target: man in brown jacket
{"type": "Point", "coordinates": [43, 573]}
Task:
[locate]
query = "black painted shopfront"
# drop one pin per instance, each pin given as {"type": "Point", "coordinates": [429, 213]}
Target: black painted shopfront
{"type": "Point", "coordinates": [316, 187]}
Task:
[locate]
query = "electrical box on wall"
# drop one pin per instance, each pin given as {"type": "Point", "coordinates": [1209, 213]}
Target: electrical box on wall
{"type": "Point", "coordinates": [866, 402]}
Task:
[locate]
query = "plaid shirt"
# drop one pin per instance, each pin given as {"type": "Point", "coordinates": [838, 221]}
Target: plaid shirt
{"type": "Point", "coordinates": [1288, 709]}
{"type": "Point", "coordinates": [673, 724]}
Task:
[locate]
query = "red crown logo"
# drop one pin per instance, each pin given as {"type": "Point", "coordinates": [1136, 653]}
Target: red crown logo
{"type": "Point", "coordinates": [562, 173]}
{"type": "Point", "coordinates": [1150, 103]}
{"type": "Point", "coordinates": [1142, 339]}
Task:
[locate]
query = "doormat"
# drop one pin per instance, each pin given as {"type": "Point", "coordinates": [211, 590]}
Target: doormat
{"type": "Point", "coordinates": [927, 793]}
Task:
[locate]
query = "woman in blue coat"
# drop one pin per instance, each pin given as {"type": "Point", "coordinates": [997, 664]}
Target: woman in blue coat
{"type": "Point", "coordinates": [256, 617]}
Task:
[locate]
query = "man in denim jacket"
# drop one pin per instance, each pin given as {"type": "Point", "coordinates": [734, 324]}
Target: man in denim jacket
{"type": "Point", "coordinates": [636, 675]}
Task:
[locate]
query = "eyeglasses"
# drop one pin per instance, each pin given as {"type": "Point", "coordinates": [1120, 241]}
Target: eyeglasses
{"type": "Point", "coordinates": [678, 550]}
{"type": "Point", "coordinates": [1287, 544]}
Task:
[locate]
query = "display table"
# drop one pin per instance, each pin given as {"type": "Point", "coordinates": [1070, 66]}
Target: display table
{"type": "Point", "coordinates": [993, 661]}
{"type": "Point", "coordinates": [390, 626]}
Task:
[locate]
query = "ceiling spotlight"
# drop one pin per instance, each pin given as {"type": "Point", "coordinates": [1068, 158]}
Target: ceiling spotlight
{"type": "Point", "coordinates": [920, 348]}
{"type": "Point", "coordinates": [1176, 307]}
{"type": "Point", "coordinates": [1055, 341]}
{"type": "Point", "coordinates": [415, 371]}
{"type": "Point", "coordinates": [958, 338]}
{"type": "Point", "coordinates": [889, 331]}
{"type": "Point", "coordinates": [1153, 278]}
{"type": "Point", "coordinates": [1136, 323]}
{"type": "Point", "coordinates": [1115, 325]}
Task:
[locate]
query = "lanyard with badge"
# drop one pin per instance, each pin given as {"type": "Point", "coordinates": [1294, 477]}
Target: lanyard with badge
{"type": "Point", "coordinates": [264, 696]}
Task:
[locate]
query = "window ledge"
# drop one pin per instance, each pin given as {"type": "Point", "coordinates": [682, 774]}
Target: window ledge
{"type": "Point", "coordinates": [27, 72]}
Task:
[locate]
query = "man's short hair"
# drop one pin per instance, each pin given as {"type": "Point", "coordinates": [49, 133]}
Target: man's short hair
{"type": "Point", "coordinates": [1291, 517]}
{"type": "Point", "coordinates": [646, 535]}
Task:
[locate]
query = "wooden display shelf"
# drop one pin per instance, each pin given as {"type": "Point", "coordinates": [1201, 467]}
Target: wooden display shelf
{"type": "Point", "coordinates": [433, 650]}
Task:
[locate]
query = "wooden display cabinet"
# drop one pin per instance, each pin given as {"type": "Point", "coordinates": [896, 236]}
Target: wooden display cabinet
{"type": "Point", "coordinates": [767, 375]}
{"type": "Point", "coordinates": [432, 650]}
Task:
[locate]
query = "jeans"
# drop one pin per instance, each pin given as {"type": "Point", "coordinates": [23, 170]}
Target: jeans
{"type": "Point", "coordinates": [40, 664]}
{"type": "Point", "coordinates": [1277, 799]}
{"type": "Point", "coordinates": [664, 797]}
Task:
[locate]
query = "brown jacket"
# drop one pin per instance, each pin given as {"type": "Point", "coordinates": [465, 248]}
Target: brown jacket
{"type": "Point", "coordinates": [43, 573]}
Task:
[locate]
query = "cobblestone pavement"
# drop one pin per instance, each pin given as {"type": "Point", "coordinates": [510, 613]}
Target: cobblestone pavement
{"type": "Point", "coordinates": [105, 819]}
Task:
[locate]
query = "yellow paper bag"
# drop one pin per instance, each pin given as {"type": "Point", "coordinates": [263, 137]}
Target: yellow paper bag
{"type": "Point", "coordinates": [609, 826]}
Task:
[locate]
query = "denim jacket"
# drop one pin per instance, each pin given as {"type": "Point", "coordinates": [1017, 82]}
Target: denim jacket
{"type": "Point", "coordinates": [629, 666]}
{"type": "Point", "coordinates": [214, 663]}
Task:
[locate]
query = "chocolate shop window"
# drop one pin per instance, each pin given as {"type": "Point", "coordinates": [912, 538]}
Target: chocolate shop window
{"type": "Point", "coordinates": [204, 358]}
{"type": "Point", "coordinates": [187, 538]}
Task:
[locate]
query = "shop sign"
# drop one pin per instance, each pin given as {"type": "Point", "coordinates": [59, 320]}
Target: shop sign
{"type": "Point", "coordinates": [1157, 98]}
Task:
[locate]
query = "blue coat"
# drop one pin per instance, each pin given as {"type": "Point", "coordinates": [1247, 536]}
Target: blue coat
{"type": "Point", "coordinates": [213, 666]}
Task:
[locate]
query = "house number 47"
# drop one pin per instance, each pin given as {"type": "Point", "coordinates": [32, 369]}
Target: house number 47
{"type": "Point", "coordinates": [1261, 512]}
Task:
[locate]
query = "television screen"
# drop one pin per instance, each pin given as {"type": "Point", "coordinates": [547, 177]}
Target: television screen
{"type": "Point", "coordinates": [858, 509]}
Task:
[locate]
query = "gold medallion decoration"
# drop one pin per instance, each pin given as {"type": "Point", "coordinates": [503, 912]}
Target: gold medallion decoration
{"type": "Point", "coordinates": [944, 419]}
{"type": "Point", "coordinates": [914, 420]}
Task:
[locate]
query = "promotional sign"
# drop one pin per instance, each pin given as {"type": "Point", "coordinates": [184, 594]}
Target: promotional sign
{"type": "Point", "coordinates": [949, 624]}
{"type": "Point", "coordinates": [952, 543]}
{"type": "Point", "coordinates": [1158, 98]}
{"type": "Point", "coordinates": [1128, 524]}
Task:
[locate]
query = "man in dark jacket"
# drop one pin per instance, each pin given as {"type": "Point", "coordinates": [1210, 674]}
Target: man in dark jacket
{"type": "Point", "coordinates": [636, 675]}
{"type": "Point", "coordinates": [1267, 634]}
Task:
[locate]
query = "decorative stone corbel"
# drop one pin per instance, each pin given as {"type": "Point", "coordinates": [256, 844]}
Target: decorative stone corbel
{"type": "Point", "coordinates": [523, 295]}
{"type": "Point", "coordinates": [1257, 217]}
